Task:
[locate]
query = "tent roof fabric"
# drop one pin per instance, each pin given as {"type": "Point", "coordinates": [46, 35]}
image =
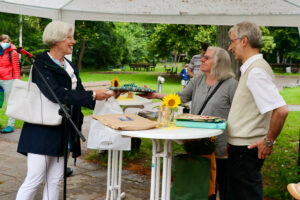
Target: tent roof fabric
{"type": "Point", "coordinates": [215, 12]}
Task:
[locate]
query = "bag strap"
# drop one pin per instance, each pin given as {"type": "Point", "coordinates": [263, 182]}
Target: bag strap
{"type": "Point", "coordinates": [30, 78]}
{"type": "Point", "coordinates": [211, 94]}
{"type": "Point", "coordinates": [9, 56]}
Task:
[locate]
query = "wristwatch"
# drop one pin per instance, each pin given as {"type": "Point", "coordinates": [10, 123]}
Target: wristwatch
{"type": "Point", "coordinates": [94, 95]}
{"type": "Point", "coordinates": [269, 143]}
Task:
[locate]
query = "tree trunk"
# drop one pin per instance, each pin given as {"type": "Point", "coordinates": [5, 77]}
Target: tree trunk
{"type": "Point", "coordinates": [81, 53]}
{"type": "Point", "coordinates": [222, 41]}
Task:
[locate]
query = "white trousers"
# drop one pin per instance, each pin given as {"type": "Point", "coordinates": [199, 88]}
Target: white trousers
{"type": "Point", "coordinates": [7, 85]}
{"type": "Point", "coordinates": [42, 168]}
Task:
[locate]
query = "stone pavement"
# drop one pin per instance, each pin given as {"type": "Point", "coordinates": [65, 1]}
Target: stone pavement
{"type": "Point", "coordinates": [89, 180]}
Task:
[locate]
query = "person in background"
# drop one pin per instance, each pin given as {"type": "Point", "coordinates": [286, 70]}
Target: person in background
{"type": "Point", "coordinates": [194, 66]}
{"type": "Point", "coordinates": [216, 67]}
{"type": "Point", "coordinates": [256, 117]}
{"type": "Point", "coordinates": [184, 76]}
{"type": "Point", "coordinates": [9, 71]}
{"type": "Point", "coordinates": [43, 145]}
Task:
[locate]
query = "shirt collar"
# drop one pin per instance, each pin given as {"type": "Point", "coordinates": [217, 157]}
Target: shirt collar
{"type": "Point", "coordinates": [249, 61]}
{"type": "Point", "coordinates": [57, 61]}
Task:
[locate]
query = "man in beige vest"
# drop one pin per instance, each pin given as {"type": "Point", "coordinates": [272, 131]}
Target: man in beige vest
{"type": "Point", "coordinates": [256, 117]}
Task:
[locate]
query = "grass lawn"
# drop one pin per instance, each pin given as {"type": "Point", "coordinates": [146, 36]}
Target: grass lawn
{"type": "Point", "coordinates": [291, 95]}
{"type": "Point", "coordinates": [279, 170]}
{"type": "Point", "coordinates": [281, 167]}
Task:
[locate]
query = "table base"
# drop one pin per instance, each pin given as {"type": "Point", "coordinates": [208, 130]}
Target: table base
{"type": "Point", "coordinates": [165, 183]}
{"type": "Point", "coordinates": [114, 175]}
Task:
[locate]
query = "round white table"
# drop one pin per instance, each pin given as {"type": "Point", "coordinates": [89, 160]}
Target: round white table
{"type": "Point", "coordinates": [167, 134]}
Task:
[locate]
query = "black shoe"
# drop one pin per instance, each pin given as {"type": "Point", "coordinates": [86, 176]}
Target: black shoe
{"type": "Point", "coordinates": [69, 171]}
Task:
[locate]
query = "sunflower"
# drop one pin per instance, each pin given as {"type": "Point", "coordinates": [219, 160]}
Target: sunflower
{"type": "Point", "coordinates": [171, 100]}
{"type": "Point", "coordinates": [115, 82]}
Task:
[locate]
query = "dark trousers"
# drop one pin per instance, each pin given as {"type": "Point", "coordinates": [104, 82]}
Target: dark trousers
{"type": "Point", "coordinates": [221, 179]}
{"type": "Point", "coordinates": [244, 178]}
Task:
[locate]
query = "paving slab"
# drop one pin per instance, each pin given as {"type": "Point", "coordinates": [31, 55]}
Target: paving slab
{"type": "Point", "coordinates": [87, 183]}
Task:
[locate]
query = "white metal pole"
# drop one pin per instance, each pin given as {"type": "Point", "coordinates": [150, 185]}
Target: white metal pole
{"type": "Point", "coordinates": [164, 175]}
{"type": "Point", "coordinates": [21, 32]}
{"type": "Point", "coordinates": [114, 174]}
{"type": "Point", "coordinates": [108, 185]}
{"type": "Point", "coordinates": [157, 173]}
{"type": "Point", "coordinates": [169, 170]}
{"type": "Point", "coordinates": [120, 174]}
{"type": "Point", "coordinates": [153, 171]}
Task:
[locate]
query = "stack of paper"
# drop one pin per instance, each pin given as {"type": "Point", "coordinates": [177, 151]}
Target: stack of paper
{"type": "Point", "coordinates": [200, 121]}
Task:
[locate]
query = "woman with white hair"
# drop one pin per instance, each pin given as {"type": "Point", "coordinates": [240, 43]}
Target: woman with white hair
{"type": "Point", "coordinates": [43, 145]}
{"type": "Point", "coordinates": [216, 68]}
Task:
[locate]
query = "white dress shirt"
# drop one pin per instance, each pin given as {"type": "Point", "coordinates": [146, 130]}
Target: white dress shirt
{"type": "Point", "coordinates": [262, 87]}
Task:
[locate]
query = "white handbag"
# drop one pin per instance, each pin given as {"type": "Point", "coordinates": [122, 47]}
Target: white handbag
{"type": "Point", "coordinates": [102, 137]}
{"type": "Point", "coordinates": [27, 103]}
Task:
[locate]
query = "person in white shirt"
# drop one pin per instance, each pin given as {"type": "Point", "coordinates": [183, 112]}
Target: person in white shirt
{"type": "Point", "coordinates": [256, 117]}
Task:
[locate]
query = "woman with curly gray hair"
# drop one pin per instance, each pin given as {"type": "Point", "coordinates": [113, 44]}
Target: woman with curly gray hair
{"type": "Point", "coordinates": [216, 68]}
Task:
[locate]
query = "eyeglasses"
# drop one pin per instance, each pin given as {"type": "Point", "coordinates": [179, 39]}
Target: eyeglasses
{"type": "Point", "coordinates": [231, 41]}
{"type": "Point", "coordinates": [70, 37]}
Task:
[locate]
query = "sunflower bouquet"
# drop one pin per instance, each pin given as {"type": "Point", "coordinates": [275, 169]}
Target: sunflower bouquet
{"type": "Point", "coordinates": [168, 108]}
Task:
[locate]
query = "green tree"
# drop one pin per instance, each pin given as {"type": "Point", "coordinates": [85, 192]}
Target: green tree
{"type": "Point", "coordinates": [287, 44]}
{"type": "Point", "coordinates": [102, 46]}
{"type": "Point", "coordinates": [178, 38]}
{"type": "Point", "coordinates": [10, 25]}
{"type": "Point", "coordinates": [32, 32]}
{"type": "Point", "coordinates": [136, 39]}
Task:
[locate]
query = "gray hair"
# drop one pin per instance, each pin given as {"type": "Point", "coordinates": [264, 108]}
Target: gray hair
{"type": "Point", "coordinates": [222, 64]}
{"type": "Point", "coordinates": [249, 30]}
{"type": "Point", "coordinates": [4, 37]}
{"type": "Point", "coordinates": [56, 31]}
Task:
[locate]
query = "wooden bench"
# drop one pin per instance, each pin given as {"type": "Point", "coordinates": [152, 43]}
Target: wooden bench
{"type": "Point", "coordinates": [294, 67]}
{"type": "Point", "coordinates": [152, 67]}
{"type": "Point", "coordinates": [171, 70]}
{"type": "Point", "coordinates": [284, 65]}
{"type": "Point", "coordinates": [25, 70]}
{"type": "Point", "coordinates": [139, 66]}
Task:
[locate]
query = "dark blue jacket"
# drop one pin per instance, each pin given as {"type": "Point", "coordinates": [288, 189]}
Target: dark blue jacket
{"type": "Point", "coordinates": [48, 140]}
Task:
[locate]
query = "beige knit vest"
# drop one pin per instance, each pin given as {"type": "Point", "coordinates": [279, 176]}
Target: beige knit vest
{"type": "Point", "coordinates": [245, 123]}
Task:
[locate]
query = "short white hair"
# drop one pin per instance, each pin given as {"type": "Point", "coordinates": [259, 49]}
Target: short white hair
{"type": "Point", "coordinates": [222, 64]}
{"type": "Point", "coordinates": [56, 31]}
{"type": "Point", "coordinates": [249, 30]}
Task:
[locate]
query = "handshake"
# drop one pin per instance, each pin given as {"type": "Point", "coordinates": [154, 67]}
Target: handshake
{"type": "Point", "coordinates": [103, 93]}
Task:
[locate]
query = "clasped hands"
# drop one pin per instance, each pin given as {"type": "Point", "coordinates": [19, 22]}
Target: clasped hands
{"type": "Point", "coordinates": [104, 94]}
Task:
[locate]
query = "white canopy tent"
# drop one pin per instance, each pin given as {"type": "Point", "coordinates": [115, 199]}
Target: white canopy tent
{"type": "Point", "coordinates": [207, 12]}
{"type": "Point", "coordinates": [213, 12]}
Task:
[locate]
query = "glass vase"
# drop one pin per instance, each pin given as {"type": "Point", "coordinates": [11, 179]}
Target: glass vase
{"type": "Point", "coordinates": [171, 117]}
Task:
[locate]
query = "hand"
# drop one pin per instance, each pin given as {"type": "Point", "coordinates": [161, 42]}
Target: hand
{"type": "Point", "coordinates": [117, 93]}
{"type": "Point", "coordinates": [103, 93]}
{"type": "Point", "coordinates": [264, 151]}
{"type": "Point", "coordinates": [149, 95]}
